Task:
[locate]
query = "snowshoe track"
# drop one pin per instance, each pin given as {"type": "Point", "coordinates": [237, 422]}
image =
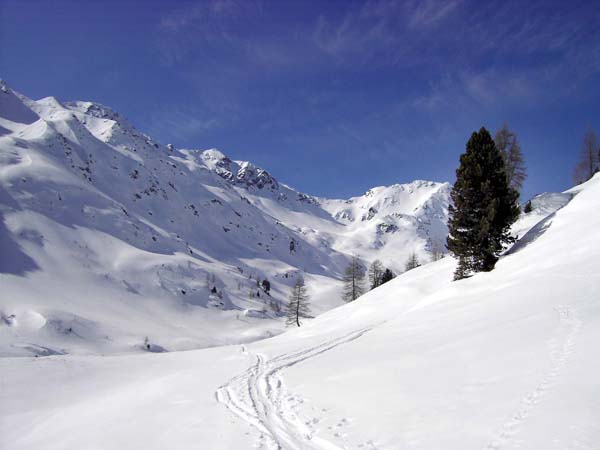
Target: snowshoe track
{"type": "Point", "coordinates": [561, 352]}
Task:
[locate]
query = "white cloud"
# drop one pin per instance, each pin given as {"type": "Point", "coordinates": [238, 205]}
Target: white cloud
{"type": "Point", "coordinates": [428, 13]}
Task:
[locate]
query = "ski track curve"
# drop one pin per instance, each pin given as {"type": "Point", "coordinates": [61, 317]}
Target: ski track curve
{"type": "Point", "coordinates": [562, 349]}
{"type": "Point", "coordinates": [258, 397]}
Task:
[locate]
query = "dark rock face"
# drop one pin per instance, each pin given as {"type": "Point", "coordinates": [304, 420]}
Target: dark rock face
{"type": "Point", "coordinates": [245, 174]}
{"type": "Point", "coordinates": [386, 228]}
{"type": "Point", "coordinates": [250, 175]}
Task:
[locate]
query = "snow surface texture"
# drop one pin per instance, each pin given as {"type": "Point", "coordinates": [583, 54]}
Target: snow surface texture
{"type": "Point", "coordinates": [502, 360]}
{"type": "Point", "coordinates": [109, 238]}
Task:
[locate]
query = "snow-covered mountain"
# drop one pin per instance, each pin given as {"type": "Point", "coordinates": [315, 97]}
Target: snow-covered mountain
{"type": "Point", "coordinates": [109, 237]}
{"type": "Point", "coordinates": [503, 360]}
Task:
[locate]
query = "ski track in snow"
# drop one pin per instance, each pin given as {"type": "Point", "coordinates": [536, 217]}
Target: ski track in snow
{"type": "Point", "coordinates": [258, 397]}
{"type": "Point", "coordinates": [569, 325]}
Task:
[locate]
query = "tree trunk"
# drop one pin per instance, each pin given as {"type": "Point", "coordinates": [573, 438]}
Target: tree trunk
{"type": "Point", "coordinates": [298, 311]}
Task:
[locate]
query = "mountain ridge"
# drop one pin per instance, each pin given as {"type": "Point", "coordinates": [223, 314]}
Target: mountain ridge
{"type": "Point", "coordinates": [111, 215]}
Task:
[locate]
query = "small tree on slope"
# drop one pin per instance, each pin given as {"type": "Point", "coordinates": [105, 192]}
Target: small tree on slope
{"type": "Point", "coordinates": [412, 262]}
{"type": "Point", "coordinates": [508, 145]}
{"type": "Point", "coordinates": [589, 161]}
{"type": "Point", "coordinates": [375, 273]}
{"type": "Point", "coordinates": [298, 306]}
{"type": "Point", "coordinates": [354, 276]}
{"type": "Point", "coordinates": [483, 207]}
{"type": "Point", "coordinates": [388, 275]}
{"type": "Point", "coordinates": [437, 249]}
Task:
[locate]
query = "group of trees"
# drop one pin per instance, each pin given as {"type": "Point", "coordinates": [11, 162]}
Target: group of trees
{"type": "Point", "coordinates": [412, 262]}
{"type": "Point", "coordinates": [354, 286]}
{"type": "Point", "coordinates": [379, 275]}
{"type": "Point", "coordinates": [354, 278]}
{"type": "Point", "coordinates": [484, 200]}
{"type": "Point", "coordinates": [485, 195]}
{"type": "Point", "coordinates": [507, 143]}
{"type": "Point", "coordinates": [484, 206]}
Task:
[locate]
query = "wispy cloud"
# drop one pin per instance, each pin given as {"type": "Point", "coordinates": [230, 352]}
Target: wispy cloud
{"type": "Point", "coordinates": [466, 90]}
{"type": "Point", "coordinates": [181, 125]}
{"type": "Point", "coordinates": [213, 10]}
{"type": "Point", "coordinates": [382, 32]}
{"type": "Point", "coordinates": [379, 33]}
{"type": "Point", "coordinates": [195, 30]}
{"type": "Point", "coordinates": [430, 12]}
{"type": "Point", "coordinates": [453, 56]}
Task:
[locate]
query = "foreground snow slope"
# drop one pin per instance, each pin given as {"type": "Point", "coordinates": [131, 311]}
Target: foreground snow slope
{"type": "Point", "coordinates": [109, 237]}
{"type": "Point", "coordinates": [502, 360]}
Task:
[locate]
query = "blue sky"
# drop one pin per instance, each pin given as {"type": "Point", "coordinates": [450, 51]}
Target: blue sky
{"type": "Point", "coordinates": [332, 97]}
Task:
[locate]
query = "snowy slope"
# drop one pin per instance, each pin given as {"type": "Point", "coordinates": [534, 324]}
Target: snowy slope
{"type": "Point", "coordinates": [109, 237]}
{"type": "Point", "coordinates": [543, 206]}
{"type": "Point", "coordinates": [502, 360]}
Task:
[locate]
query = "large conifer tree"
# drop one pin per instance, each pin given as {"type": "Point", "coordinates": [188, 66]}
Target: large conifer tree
{"type": "Point", "coordinates": [484, 207]}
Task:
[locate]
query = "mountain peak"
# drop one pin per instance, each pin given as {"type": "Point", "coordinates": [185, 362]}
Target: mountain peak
{"type": "Point", "coordinates": [213, 154]}
{"type": "Point", "coordinates": [94, 109]}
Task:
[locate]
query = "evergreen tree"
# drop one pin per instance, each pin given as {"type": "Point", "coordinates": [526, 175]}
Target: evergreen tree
{"type": "Point", "coordinates": [483, 208]}
{"type": "Point", "coordinates": [589, 162]}
{"type": "Point", "coordinates": [507, 143]}
{"type": "Point", "coordinates": [298, 306]}
{"type": "Point", "coordinates": [527, 208]}
{"type": "Point", "coordinates": [266, 285]}
{"type": "Point", "coordinates": [353, 280]}
{"type": "Point", "coordinates": [375, 273]}
{"type": "Point", "coordinates": [412, 262]}
{"type": "Point", "coordinates": [387, 276]}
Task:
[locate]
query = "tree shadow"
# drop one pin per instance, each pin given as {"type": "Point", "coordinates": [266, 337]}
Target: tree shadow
{"type": "Point", "coordinates": [532, 235]}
